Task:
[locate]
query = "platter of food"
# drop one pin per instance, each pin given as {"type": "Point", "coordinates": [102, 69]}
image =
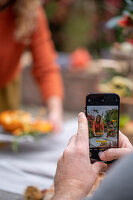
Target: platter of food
{"type": "Point", "coordinates": [20, 126]}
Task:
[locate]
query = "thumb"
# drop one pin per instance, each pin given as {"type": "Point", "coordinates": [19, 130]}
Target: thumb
{"type": "Point", "coordinates": [99, 167]}
{"type": "Point", "coordinates": [82, 125]}
{"type": "Point", "coordinates": [114, 153]}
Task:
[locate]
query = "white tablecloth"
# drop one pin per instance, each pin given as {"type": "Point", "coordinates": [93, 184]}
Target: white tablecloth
{"type": "Point", "coordinates": [35, 163]}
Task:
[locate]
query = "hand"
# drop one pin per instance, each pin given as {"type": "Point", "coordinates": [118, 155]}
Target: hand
{"type": "Point", "coordinates": [125, 147]}
{"type": "Point", "coordinates": [55, 113]}
{"type": "Point", "coordinates": [55, 118]}
{"type": "Point", "coordinates": [75, 174]}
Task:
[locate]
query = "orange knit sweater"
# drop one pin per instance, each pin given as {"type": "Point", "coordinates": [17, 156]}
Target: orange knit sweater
{"type": "Point", "coordinates": [45, 69]}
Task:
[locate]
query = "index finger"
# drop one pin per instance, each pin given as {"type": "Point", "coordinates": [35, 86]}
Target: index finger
{"type": "Point", "coordinates": [82, 125]}
{"type": "Point", "coordinates": [82, 134]}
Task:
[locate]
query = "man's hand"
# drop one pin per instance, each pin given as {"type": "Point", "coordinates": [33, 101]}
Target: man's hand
{"type": "Point", "coordinates": [125, 147]}
{"type": "Point", "coordinates": [75, 174]}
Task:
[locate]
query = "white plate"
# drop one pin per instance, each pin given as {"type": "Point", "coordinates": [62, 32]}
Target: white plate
{"type": "Point", "coordinates": [9, 138]}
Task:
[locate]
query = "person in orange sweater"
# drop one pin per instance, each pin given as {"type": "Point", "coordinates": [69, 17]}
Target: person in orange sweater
{"type": "Point", "coordinates": [98, 128]}
{"type": "Point", "coordinates": [23, 24]}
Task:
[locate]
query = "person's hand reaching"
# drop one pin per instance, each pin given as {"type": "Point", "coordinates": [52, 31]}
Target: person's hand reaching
{"type": "Point", "coordinates": [75, 174]}
{"type": "Point", "coordinates": [125, 147]}
{"type": "Point", "coordinates": [56, 118]}
{"type": "Point", "coordinates": [55, 113]}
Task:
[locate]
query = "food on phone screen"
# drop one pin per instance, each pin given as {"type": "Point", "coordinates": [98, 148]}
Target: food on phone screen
{"type": "Point", "coordinates": [103, 126]}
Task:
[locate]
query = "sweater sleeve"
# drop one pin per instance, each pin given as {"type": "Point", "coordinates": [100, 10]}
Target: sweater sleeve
{"type": "Point", "coordinates": [45, 69]}
{"type": "Point", "coordinates": [94, 127]}
{"type": "Point", "coordinates": [102, 127]}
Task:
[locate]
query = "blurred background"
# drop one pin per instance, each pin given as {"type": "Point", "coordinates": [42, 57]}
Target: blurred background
{"type": "Point", "coordinates": [94, 45]}
{"type": "Point", "coordinates": [94, 52]}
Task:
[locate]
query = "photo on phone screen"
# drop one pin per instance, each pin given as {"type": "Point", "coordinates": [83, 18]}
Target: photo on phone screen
{"type": "Point", "coordinates": [103, 126]}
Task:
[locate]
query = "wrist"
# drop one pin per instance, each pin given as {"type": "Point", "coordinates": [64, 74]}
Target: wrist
{"type": "Point", "coordinates": [66, 196]}
{"type": "Point", "coordinates": [55, 104]}
{"type": "Point", "coordinates": [69, 192]}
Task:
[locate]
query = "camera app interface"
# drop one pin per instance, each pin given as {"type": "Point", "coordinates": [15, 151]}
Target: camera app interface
{"type": "Point", "coordinates": [103, 126]}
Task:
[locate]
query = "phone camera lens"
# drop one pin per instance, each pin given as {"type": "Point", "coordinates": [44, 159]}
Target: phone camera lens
{"type": "Point", "coordinates": [102, 100]}
{"type": "Point", "coordinates": [89, 100]}
{"type": "Point", "coordinates": [116, 100]}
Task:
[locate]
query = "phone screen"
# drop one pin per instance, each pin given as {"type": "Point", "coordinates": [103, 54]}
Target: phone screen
{"type": "Point", "coordinates": [103, 126]}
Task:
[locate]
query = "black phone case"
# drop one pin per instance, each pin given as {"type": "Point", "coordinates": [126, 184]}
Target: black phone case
{"type": "Point", "coordinates": [97, 156]}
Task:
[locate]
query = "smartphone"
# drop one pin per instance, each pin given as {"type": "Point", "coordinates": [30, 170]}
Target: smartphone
{"type": "Point", "coordinates": [102, 112]}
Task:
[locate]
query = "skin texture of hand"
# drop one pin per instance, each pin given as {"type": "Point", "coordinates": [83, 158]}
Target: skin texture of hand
{"type": "Point", "coordinates": [55, 113]}
{"type": "Point", "coordinates": [75, 174]}
{"type": "Point", "coordinates": [125, 147]}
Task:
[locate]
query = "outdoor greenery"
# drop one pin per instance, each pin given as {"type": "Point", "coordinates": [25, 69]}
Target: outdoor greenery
{"type": "Point", "coordinates": [111, 115]}
{"type": "Point", "coordinates": [83, 23]}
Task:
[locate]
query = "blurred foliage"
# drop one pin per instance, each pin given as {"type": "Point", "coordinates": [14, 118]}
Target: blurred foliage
{"type": "Point", "coordinates": [125, 11]}
{"type": "Point", "coordinates": [124, 119]}
{"type": "Point", "coordinates": [71, 24]}
{"type": "Point", "coordinates": [91, 134]}
{"type": "Point", "coordinates": [111, 115]}
{"type": "Point", "coordinates": [77, 35]}
{"type": "Point", "coordinates": [77, 23]}
{"type": "Point", "coordinates": [119, 34]}
{"type": "Point", "coordinates": [51, 9]}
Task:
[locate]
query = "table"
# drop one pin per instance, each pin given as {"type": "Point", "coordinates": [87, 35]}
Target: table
{"type": "Point", "coordinates": [10, 196]}
{"type": "Point", "coordinates": [43, 156]}
{"type": "Point", "coordinates": [96, 141]}
{"type": "Point", "coordinates": [63, 139]}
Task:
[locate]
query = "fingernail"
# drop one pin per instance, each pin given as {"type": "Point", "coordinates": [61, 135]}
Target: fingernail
{"type": "Point", "coordinates": [101, 155]}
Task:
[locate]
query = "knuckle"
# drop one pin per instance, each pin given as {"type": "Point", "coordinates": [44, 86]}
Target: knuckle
{"type": "Point", "coordinates": [66, 153]}
{"type": "Point", "coordinates": [59, 161]}
{"type": "Point", "coordinates": [129, 150]}
{"type": "Point", "coordinates": [82, 130]}
{"type": "Point", "coordinates": [108, 153]}
{"type": "Point", "coordinates": [72, 138]}
{"type": "Point", "coordinates": [126, 139]}
{"type": "Point", "coordinates": [80, 151]}
{"type": "Point", "coordinates": [129, 143]}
